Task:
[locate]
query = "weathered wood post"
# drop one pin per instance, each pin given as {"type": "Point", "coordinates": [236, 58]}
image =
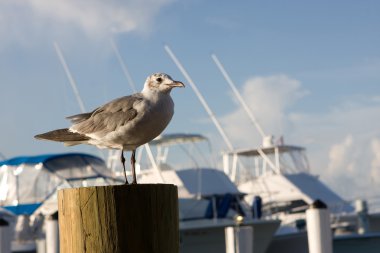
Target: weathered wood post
{"type": "Point", "coordinates": [119, 219]}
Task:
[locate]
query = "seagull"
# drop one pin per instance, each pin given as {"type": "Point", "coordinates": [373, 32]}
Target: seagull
{"type": "Point", "coordinates": [124, 123]}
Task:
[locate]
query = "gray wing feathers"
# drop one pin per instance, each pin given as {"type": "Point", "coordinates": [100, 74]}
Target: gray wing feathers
{"type": "Point", "coordinates": [123, 103]}
{"type": "Point", "coordinates": [79, 117]}
{"type": "Point", "coordinates": [104, 122]}
{"type": "Point", "coordinates": [107, 117]}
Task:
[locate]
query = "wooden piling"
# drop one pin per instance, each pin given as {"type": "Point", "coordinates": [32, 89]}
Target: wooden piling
{"type": "Point", "coordinates": [119, 219]}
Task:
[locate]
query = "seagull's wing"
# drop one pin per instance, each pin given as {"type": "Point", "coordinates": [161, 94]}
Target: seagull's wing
{"type": "Point", "coordinates": [80, 117]}
{"type": "Point", "coordinates": [108, 117]}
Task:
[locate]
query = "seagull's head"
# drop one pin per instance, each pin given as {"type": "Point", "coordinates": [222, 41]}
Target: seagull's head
{"type": "Point", "coordinates": [161, 82]}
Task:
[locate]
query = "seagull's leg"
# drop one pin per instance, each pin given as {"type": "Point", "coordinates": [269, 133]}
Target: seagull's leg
{"type": "Point", "coordinates": [123, 162]}
{"type": "Point", "coordinates": [133, 161]}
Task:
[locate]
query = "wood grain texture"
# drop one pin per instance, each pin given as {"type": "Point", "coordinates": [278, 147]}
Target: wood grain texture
{"type": "Point", "coordinates": [122, 218]}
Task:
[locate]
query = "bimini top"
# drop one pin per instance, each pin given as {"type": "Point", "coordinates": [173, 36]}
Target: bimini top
{"type": "Point", "coordinates": [265, 150]}
{"type": "Point", "coordinates": [43, 158]}
{"type": "Point", "coordinates": [68, 166]}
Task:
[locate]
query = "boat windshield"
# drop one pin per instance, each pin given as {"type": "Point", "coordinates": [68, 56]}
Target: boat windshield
{"type": "Point", "coordinates": [258, 162]}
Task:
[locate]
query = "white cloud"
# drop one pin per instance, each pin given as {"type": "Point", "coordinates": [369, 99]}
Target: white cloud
{"type": "Point", "coordinates": [339, 155]}
{"type": "Point", "coordinates": [23, 21]}
{"type": "Point", "coordinates": [354, 166]}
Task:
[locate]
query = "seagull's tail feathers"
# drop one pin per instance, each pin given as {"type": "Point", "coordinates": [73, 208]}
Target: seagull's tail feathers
{"type": "Point", "coordinates": [63, 135]}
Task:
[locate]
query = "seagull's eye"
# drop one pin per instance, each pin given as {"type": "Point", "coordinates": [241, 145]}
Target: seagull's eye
{"type": "Point", "coordinates": [159, 79]}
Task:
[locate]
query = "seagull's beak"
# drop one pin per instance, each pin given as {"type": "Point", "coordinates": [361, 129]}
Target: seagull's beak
{"type": "Point", "coordinates": [176, 84]}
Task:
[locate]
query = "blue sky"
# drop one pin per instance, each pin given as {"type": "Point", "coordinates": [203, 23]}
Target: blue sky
{"type": "Point", "coordinates": [310, 70]}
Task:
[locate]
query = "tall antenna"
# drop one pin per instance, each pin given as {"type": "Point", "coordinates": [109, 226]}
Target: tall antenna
{"type": "Point", "coordinates": [238, 96]}
{"type": "Point", "coordinates": [247, 110]}
{"type": "Point", "coordinates": [123, 66]}
{"type": "Point", "coordinates": [200, 97]}
{"type": "Point", "coordinates": [69, 76]}
{"type": "Point", "coordinates": [207, 108]}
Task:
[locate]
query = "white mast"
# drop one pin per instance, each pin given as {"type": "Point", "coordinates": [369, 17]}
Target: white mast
{"type": "Point", "coordinates": [200, 97]}
{"type": "Point", "coordinates": [69, 76]}
{"type": "Point", "coordinates": [238, 96]}
{"type": "Point", "coordinates": [275, 167]}
{"type": "Point", "coordinates": [123, 66]}
{"type": "Point", "coordinates": [232, 173]}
